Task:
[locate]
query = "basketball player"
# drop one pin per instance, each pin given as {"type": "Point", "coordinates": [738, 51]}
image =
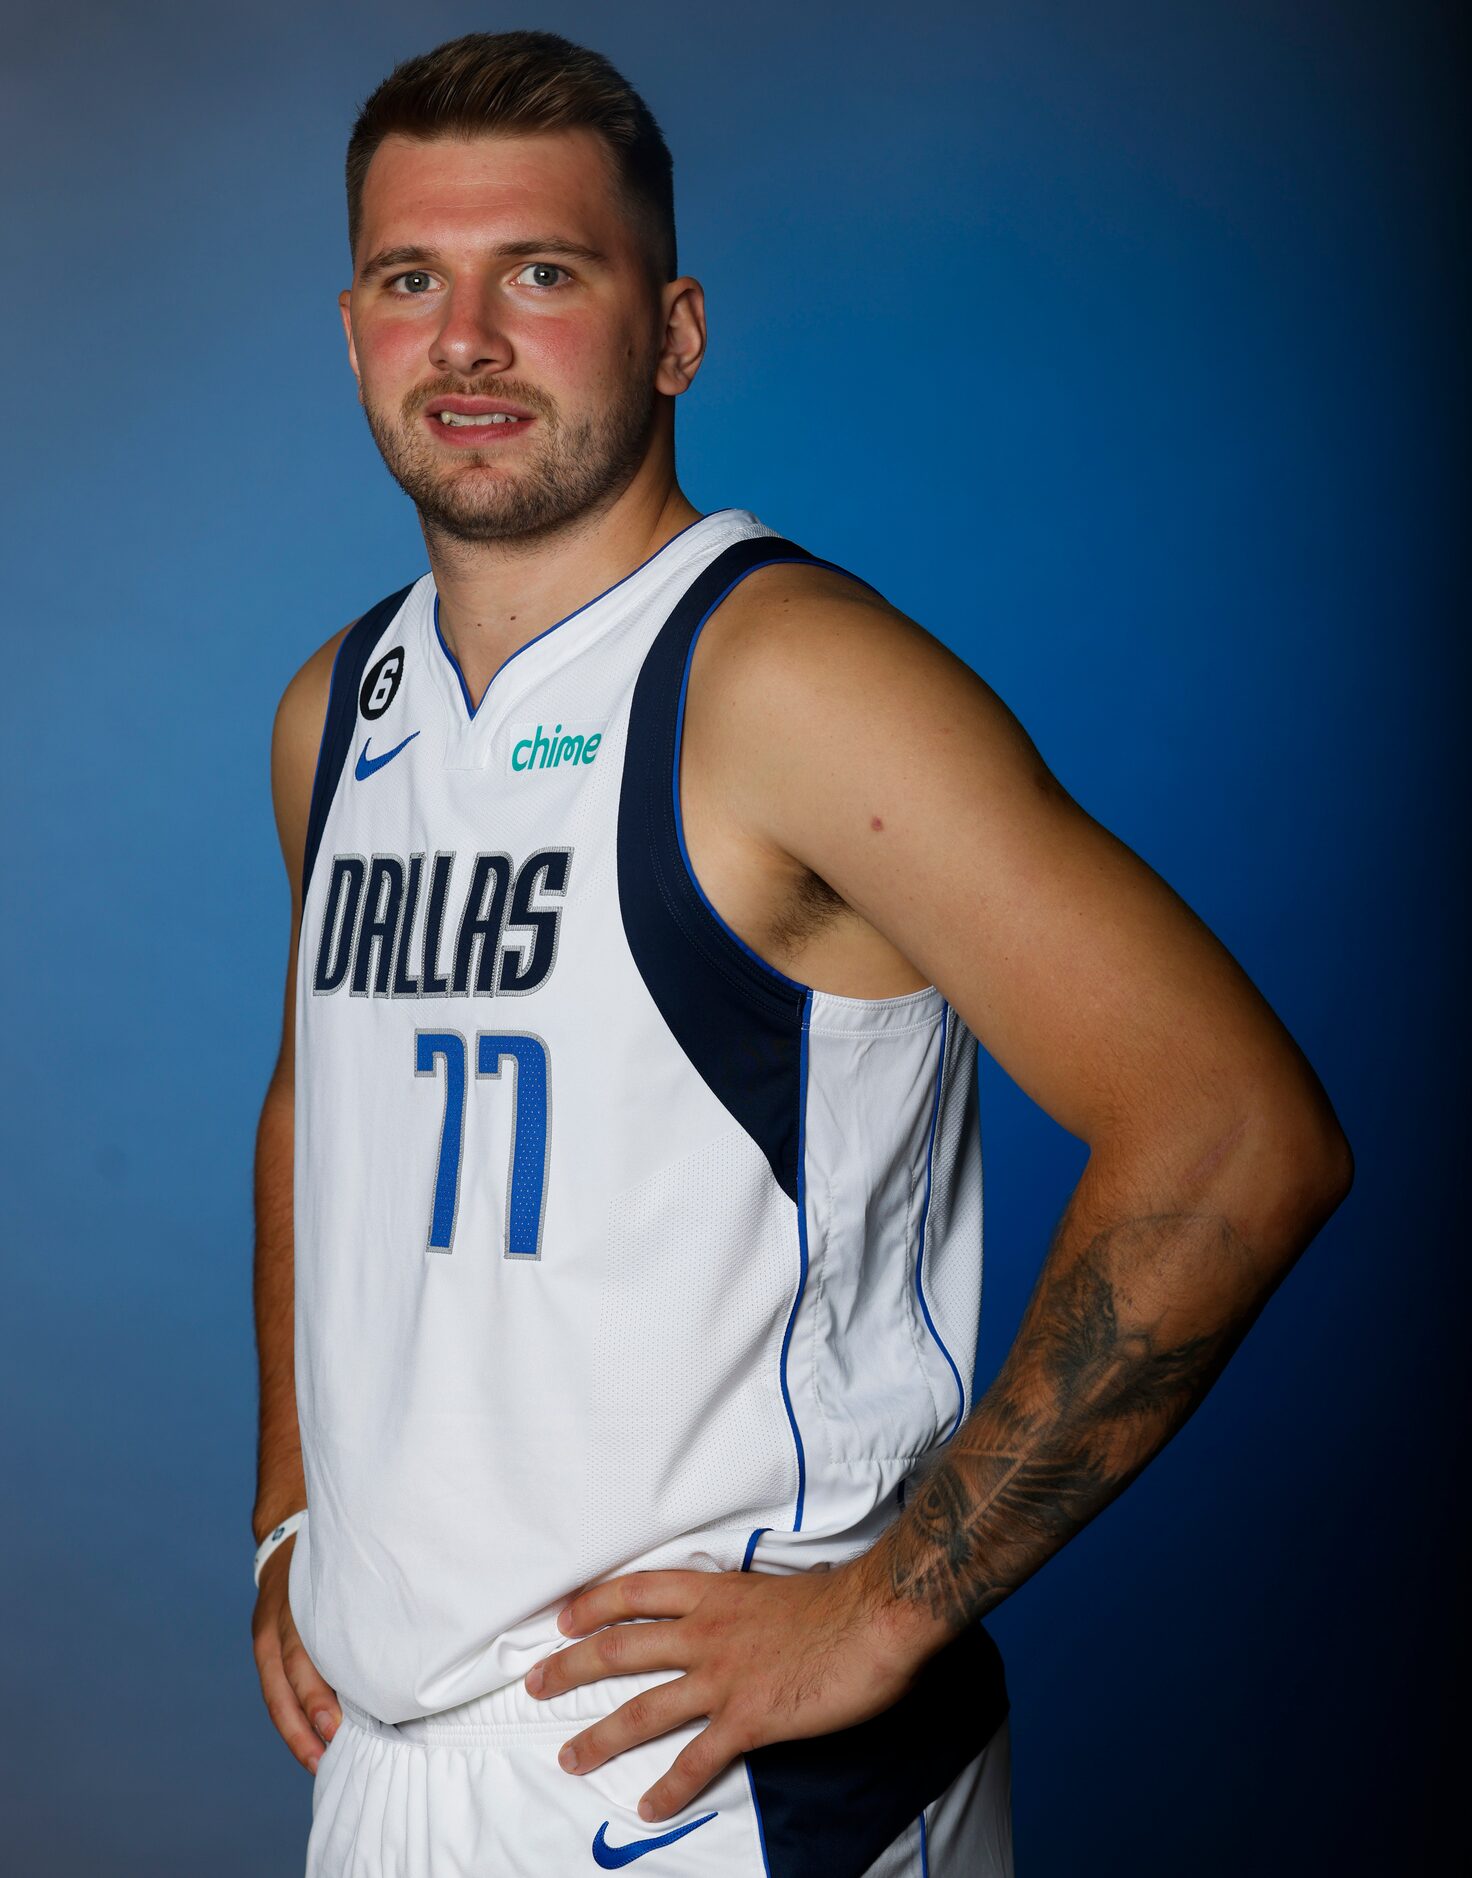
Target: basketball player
{"type": "Point", "coordinates": [625, 1496]}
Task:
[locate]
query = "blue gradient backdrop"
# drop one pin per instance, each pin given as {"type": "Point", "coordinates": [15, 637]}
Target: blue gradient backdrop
{"type": "Point", "coordinates": [1115, 344]}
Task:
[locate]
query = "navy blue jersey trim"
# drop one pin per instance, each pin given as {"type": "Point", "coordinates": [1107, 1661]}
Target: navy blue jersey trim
{"type": "Point", "coordinates": [761, 1834]}
{"type": "Point", "coordinates": [830, 1804]}
{"type": "Point", "coordinates": [737, 1018]}
{"type": "Point", "coordinates": [342, 713]}
{"type": "Point", "coordinates": [771, 558]}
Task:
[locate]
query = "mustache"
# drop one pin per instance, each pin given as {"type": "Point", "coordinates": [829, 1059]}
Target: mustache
{"type": "Point", "coordinates": [515, 393]}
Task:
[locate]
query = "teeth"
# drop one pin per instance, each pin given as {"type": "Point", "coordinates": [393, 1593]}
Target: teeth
{"type": "Point", "coordinates": [487, 417]}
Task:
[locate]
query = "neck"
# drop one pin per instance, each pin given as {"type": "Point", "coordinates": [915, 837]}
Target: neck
{"type": "Point", "coordinates": [496, 596]}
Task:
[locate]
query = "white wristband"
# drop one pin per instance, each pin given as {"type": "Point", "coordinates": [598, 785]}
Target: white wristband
{"type": "Point", "coordinates": [277, 1536]}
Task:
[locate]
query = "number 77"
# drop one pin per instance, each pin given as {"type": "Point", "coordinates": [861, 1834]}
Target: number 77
{"type": "Point", "coordinates": [526, 1187]}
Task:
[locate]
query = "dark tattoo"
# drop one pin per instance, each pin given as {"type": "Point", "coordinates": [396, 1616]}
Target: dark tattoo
{"type": "Point", "coordinates": [1101, 1375]}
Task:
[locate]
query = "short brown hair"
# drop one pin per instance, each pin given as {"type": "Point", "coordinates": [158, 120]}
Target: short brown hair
{"type": "Point", "coordinates": [521, 82]}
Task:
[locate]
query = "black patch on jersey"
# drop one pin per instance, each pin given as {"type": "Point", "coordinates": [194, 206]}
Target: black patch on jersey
{"type": "Point", "coordinates": [381, 686]}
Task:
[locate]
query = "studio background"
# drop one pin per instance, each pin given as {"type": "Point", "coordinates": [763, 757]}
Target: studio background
{"type": "Point", "coordinates": [1115, 344]}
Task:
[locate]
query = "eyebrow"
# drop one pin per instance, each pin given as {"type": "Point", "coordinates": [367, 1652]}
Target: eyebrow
{"type": "Point", "coordinates": [506, 250]}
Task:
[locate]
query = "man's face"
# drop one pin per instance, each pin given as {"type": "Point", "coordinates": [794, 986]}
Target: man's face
{"type": "Point", "coordinates": [469, 293]}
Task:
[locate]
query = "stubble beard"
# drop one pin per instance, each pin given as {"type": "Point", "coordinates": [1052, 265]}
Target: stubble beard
{"type": "Point", "coordinates": [569, 470]}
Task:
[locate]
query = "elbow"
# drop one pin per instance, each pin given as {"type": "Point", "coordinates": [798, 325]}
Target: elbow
{"type": "Point", "coordinates": [1293, 1171]}
{"type": "Point", "coordinates": [1339, 1169]}
{"type": "Point", "coordinates": [1314, 1164]}
{"type": "Point", "coordinates": [1278, 1160]}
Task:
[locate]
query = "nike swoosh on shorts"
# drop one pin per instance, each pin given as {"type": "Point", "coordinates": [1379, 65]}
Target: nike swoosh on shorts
{"type": "Point", "coordinates": [611, 1857]}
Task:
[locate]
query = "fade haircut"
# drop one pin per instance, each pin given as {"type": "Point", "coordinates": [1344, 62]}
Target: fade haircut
{"type": "Point", "coordinates": [519, 83]}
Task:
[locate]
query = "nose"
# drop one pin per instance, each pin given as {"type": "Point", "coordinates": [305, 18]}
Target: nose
{"type": "Point", "coordinates": [471, 338]}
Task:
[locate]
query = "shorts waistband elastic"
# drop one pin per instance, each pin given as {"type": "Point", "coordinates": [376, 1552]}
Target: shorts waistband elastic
{"type": "Point", "coordinates": [509, 1711]}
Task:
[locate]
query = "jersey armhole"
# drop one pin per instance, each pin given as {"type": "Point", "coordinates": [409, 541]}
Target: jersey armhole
{"type": "Point", "coordinates": [778, 552]}
{"type": "Point", "coordinates": [738, 1019]}
{"type": "Point", "coordinates": [348, 665]}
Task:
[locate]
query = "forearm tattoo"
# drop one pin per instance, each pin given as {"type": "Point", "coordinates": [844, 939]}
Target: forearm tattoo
{"type": "Point", "coordinates": [1102, 1373]}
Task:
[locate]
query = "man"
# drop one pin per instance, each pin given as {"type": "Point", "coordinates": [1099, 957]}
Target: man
{"type": "Point", "coordinates": [624, 1496]}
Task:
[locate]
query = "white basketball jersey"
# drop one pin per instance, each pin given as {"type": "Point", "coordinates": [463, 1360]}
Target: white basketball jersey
{"type": "Point", "coordinates": [616, 1248]}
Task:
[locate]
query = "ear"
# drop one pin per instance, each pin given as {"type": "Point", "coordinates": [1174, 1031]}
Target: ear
{"type": "Point", "coordinates": [683, 340]}
{"type": "Point", "coordinates": [345, 308]}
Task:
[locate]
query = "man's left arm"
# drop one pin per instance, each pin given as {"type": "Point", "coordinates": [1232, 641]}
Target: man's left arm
{"type": "Point", "coordinates": [903, 781]}
{"type": "Point", "coordinates": [1167, 1252]}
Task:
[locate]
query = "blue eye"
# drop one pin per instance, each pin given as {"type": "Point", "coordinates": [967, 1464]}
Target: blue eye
{"type": "Point", "coordinates": [543, 267]}
{"type": "Point", "coordinates": [417, 274]}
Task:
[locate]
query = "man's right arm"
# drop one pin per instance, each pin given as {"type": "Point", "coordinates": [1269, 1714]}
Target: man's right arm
{"type": "Point", "coordinates": [292, 1687]}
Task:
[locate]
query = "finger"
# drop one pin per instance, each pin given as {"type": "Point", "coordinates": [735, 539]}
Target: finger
{"type": "Point", "coordinates": [619, 1650]}
{"type": "Point", "coordinates": [693, 1769]}
{"type": "Point", "coordinates": [652, 1712]}
{"type": "Point", "coordinates": [287, 1713]}
{"type": "Point", "coordinates": [636, 1594]}
{"type": "Point", "coordinates": [312, 1693]}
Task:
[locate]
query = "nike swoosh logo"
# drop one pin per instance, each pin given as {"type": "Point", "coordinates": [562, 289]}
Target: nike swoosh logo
{"type": "Point", "coordinates": [611, 1857]}
{"type": "Point", "coordinates": [367, 764]}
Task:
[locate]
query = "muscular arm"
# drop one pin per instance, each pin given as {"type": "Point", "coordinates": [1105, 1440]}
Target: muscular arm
{"type": "Point", "coordinates": [1148, 1288]}
{"type": "Point", "coordinates": [289, 1681]}
{"type": "Point", "coordinates": [1215, 1156]}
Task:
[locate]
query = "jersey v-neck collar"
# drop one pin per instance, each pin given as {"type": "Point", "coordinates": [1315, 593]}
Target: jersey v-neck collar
{"type": "Point", "coordinates": [472, 711]}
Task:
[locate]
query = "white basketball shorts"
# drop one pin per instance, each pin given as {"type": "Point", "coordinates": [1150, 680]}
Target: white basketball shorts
{"type": "Point", "coordinates": [920, 1791]}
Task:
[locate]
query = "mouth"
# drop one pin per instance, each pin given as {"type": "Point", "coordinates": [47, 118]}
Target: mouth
{"type": "Point", "coordinates": [474, 422]}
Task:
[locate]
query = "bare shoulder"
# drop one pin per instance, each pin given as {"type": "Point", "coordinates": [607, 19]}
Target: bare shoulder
{"type": "Point", "coordinates": [810, 696]}
{"type": "Point", "coordinates": [793, 621]}
{"type": "Point", "coordinates": [806, 666]}
{"type": "Point", "coordinates": [759, 616]}
{"type": "Point", "coordinates": [296, 736]}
